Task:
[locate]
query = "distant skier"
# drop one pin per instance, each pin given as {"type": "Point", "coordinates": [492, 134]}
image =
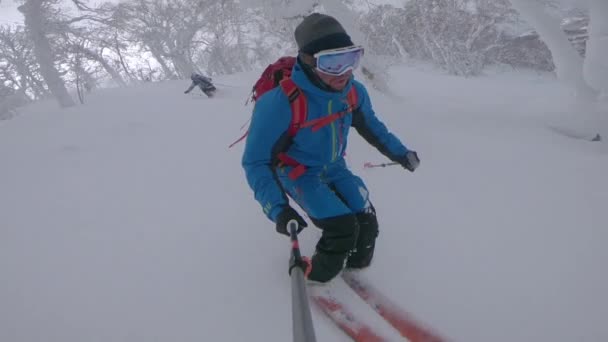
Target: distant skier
{"type": "Point", "coordinates": [202, 82]}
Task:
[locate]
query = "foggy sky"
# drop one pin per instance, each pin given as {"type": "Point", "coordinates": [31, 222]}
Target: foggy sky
{"type": "Point", "coordinates": [9, 13]}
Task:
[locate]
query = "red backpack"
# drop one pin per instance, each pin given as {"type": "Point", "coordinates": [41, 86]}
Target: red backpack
{"type": "Point", "coordinates": [279, 74]}
{"type": "Point", "coordinates": [272, 76]}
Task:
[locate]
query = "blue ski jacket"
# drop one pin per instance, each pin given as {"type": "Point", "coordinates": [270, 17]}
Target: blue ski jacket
{"type": "Point", "coordinates": [320, 149]}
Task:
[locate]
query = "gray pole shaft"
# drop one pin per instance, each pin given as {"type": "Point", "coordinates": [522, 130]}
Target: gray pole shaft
{"type": "Point", "coordinates": [303, 330]}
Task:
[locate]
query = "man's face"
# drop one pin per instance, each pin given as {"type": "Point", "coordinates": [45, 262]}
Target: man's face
{"type": "Point", "coordinates": [335, 82]}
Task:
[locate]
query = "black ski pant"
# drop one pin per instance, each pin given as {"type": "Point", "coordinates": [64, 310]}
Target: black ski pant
{"type": "Point", "coordinates": [346, 240]}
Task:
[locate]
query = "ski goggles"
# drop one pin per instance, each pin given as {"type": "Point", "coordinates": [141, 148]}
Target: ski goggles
{"type": "Point", "coordinates": [336, 62]}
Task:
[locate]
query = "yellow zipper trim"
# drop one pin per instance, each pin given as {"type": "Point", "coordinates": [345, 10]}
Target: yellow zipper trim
{"type": "Point", "coordinates": [334, 146]}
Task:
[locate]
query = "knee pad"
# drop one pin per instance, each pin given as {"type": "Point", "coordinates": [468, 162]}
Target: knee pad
{"type": "Point", "coordinates": [338, 239]}
{"type": "Point", "coordinates": [366, 242]}
{"type": "Point", "coordinates": [368, 224]}
{"type": "Point", "coordinates": [339, 235]}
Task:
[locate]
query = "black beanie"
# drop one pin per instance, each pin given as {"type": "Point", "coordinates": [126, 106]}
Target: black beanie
{"type": "Point", "coordinates": [318, 32]}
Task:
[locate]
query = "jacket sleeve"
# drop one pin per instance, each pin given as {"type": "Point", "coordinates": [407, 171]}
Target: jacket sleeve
{"type": "Point", "coordinates": [373, 130]}
{"type": "Point", "coordinates": [190, 88]}
{"type": "Point", "coordinates": [270, 120]}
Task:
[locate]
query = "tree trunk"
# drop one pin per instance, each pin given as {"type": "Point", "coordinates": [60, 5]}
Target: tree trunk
{"type": "Point", "coordinates": [34, 22]}
{"type": "Point", "coordinates": [596, 61]}
{"type": "Point", "coordinates": [182, 66]}
{"type": "Point", "coordinates": [568, 62]}
{"type": "Point", "coordinates": [596, 58]}
{"type": "Point", "coordinates": [98, 58]}
{"type": "Point", "coordinates": [121, 59]}
{"type": "Point", "coordinates": [569, 68]}
{"type": "Point", "coordinates": [158, 56]}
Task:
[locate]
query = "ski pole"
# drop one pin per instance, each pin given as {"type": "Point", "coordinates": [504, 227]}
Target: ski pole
{"type": "Point", "coordinates": [303, 330]}
{"type": "Point", "coordinates": [225, 85]}
{"type": "Point", "coordinates": [368, 165]}
{"type": "Point", "coordinates": [245, 124]}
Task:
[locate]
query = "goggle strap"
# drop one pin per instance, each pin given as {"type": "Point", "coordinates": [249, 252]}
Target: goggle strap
{"type": "Point", "coordinates": [338, 51]}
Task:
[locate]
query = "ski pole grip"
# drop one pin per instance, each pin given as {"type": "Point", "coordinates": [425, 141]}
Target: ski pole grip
{"type": "Point", "coordinates": [292, 225]}
{"type": "Point", "coordinates": [296, 256]}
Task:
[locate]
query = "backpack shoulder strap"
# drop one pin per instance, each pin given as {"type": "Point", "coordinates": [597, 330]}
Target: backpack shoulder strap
{"type": "Point", "coordinates": [299, 108]}
{"type": "Point", "coordinates": [352, 98]}
{"type": "Point", "coordinates": [297, 102]}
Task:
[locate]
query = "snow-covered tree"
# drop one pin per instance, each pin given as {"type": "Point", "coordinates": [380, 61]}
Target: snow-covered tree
{"type": "Point", "coordinates": [37, 15]}
{"type": "Point", "coordinates": [461, 36]}
{"type": "Point", "coordinates": [15, 72]}
{"type": "Point", "coordinates": [596, 60]}
{"type": "Point", "coordinates": [89, 44]}
{"type": "Point", "coordinates": [227, 50]}
{"type": "Point", "coordinates": [568, 62]}
{"type": "Point", "coordinates": [10, 100]}
{"type": "Point", "coordinates": [18, 65]}
{"type": "Point", "coordinates": [169, 29]}
{"type": "Point", "coordinates": [588, 76]}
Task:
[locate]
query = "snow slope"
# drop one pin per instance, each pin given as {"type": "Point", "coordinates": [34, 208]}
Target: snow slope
{"type": "Point", "coordinates": [128, 219]}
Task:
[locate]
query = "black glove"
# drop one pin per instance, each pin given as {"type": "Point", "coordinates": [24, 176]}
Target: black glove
{"type": "Point", "coordinates": [410, 161]}
{"type": "Point", "coordinates": [286, 215]}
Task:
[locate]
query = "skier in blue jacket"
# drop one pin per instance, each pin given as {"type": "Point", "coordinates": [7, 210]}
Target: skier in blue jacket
{"type": "Point", "coordinates": [334, 198]}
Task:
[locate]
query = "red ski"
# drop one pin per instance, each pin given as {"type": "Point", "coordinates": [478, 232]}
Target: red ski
{"type": "Point", "coordinates": [343, 317]}
{"type": "Point", "coordinates": [407, 326]}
